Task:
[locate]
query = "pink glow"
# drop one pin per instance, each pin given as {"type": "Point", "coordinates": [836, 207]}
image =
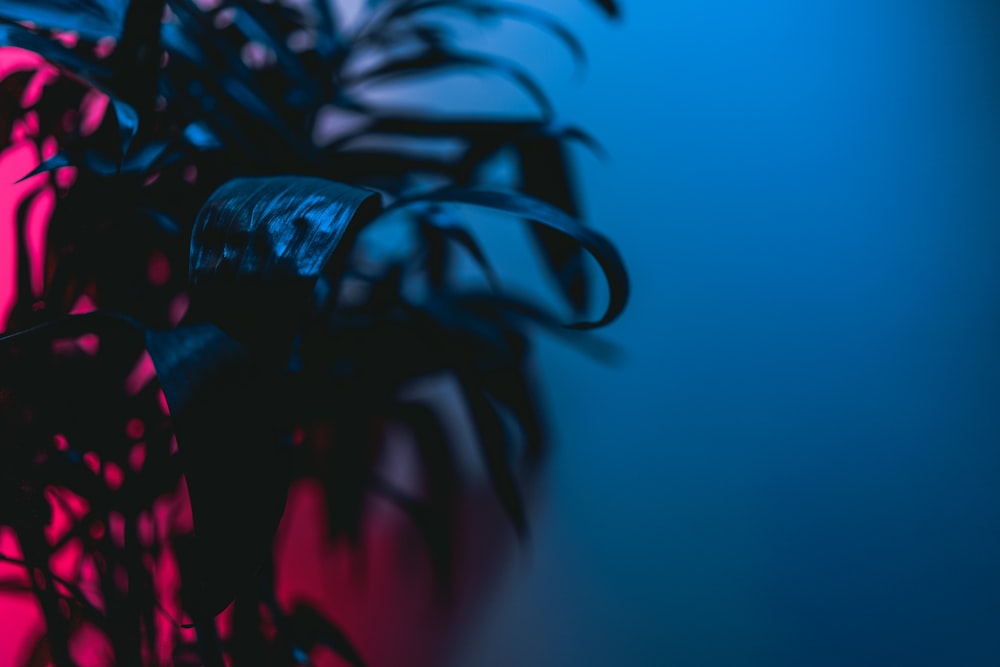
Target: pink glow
{"type": "Point", "coordinates": [104, 47]}
{"type": "Point", "coordinates": [89, 343]}
{"type": "Point", "coordinates": [67, 508]}
{"type": "Point", "coordinates": [141, 374]}
{"type": "Point", "coordinates": [159, 269]}
{"type": "Point", "coordinates": [135, 428]}
{"type": "Point", "coordinates": [382, 589]}
{"type": "Point", "coordinates": [113, 476]}
{"type": "Point", "coordinates": [166, 410]}
{"type": "Point", "coordinates": [33, 92]}
{"type": "Point", "coordinates": [137, 456]}
{"type": "Point", "coordinates": [25, 127]}
{"type": "Point", "coordinates": [116, 529]}
{"type": "Point", "coordinates": [66, 562]}
{"type": "Point", "coordinates": [97, 530]}
{"type": "Point", "coordinates": [19, 157]}
{"type": "Point", "coordinates": [68, 38]}
{"type": "Point", "coordinates": [95, 105]}
{"type": "Point", "coordinates": [146, 529]}
{"type": "Point", "coordinates": [65, 177]}
{"type": "Point", "coordinates": [92, 461]}
{"type": "Point", "coordinates": [17, 60]}
{"type": "Point", "coordinates": [89, 647]}
{"type": "Point", "coordinates": [38, 226]}
{"type": "Point", "coordinates": [178, 308]}
{"type": "Point", "coordinates": [83, 305]}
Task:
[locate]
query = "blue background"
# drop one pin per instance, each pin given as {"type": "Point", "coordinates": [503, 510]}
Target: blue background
{"type": "Point", "coordinates": [796, 462]}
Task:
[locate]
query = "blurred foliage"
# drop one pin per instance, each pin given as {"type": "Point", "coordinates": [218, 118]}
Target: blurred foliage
{"type": "Point", "coordinates": [211, 224]}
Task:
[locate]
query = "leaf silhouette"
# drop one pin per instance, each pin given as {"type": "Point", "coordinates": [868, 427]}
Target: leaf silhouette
{"type": "Point", "coordinates": [211, 128]}
{"type": "Point", "coordinates": [545, 174]}
{"type": "Point", "coordinates": [236, 472]}
{"type": "Point", "coordinates": [539, 212]}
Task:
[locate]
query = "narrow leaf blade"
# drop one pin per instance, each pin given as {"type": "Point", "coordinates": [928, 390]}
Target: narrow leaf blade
{"type": "Point", "coordinates": [523, 206]}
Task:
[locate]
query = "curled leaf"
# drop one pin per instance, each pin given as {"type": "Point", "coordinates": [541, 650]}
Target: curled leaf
{"type": "Point", "coordinates": [597, 245]}
{"type": "Point", "coordinates": [260, 244]}
{"type": "Point", "coordinates": [545, 175]}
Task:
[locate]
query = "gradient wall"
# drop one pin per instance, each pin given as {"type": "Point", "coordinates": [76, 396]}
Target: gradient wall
{"type": "Point", "coordinates": [796, 463]}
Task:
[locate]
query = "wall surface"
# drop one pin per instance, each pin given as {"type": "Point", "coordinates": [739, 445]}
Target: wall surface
{"type": "Point", "coordinates": [796, 462]}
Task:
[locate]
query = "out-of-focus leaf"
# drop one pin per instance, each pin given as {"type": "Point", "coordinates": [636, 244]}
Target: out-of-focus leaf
{"type": "Point", "coordinates": [253, 21]}
{"type": "Point", "coordinates": [260, 244]}
{"type": "Point", "coordinates": [69, 60]}
{"type": "Point", "coordinates": [437, 60]}
{"type": "Point", "coordinates": [100, 164]}
{"type": "Point", "coordinates": [494, 311]}
{"type": "Point", "coordinates": [235, 467]}
{"type": "Point", "coordinates": [437, 231]}
{"type": "Point", "coordinates": [309, 628]}
{"type": "Point", "coordinates": [12, 89]}
{"type": "Point", "coordinates": [493, 444]}
{"type": "Point", "coordinates": [91, 19]}
{"type": "Point", "coordinates": [228, 414]}
{"type": "Point", "coordinates": [545, 175]}
{"type": "Point", "coordinates": [471, 128]}
{"type": "Point", "coordinates": [610, 7]}
{"type": "Point", "coordinates": [23, 216]}
{"type": "Point", "coordinates": [481, 10]}
{"type": "Point", "coordinates": [214, 70]}
{"type": "Point", "coordinates": [128, 123]}
{"type": "Point", "coordinates": [201, 136]}
{"type": "Point", "coordinates": [162, 220]}
{"type": "Point", "coordinates": [510, 388]}
{"type": "Point", "coordinates": [387, 166]}
{"type": "Point", "coordinates": [537, 211]}
{"type": "Point", "coordinates": [486, 134]}
{"type": "Point", "coordinates": [328, 36]}
{"type": "Point", "coordinates": [136, 58]}
{"type": "Point", "coordinates": [230, 87]}
{"type": "Point", "coordinates": [209, 644]}
{"type": "Point", "coordinates": [434, 516]}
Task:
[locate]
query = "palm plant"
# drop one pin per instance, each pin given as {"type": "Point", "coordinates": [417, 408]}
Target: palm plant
{"type": "Point", "coordinates": [207, 329]}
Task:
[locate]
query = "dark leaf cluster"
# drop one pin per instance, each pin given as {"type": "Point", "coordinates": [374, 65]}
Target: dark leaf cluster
{"type": "Point", "coordinates": [213, 223]}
